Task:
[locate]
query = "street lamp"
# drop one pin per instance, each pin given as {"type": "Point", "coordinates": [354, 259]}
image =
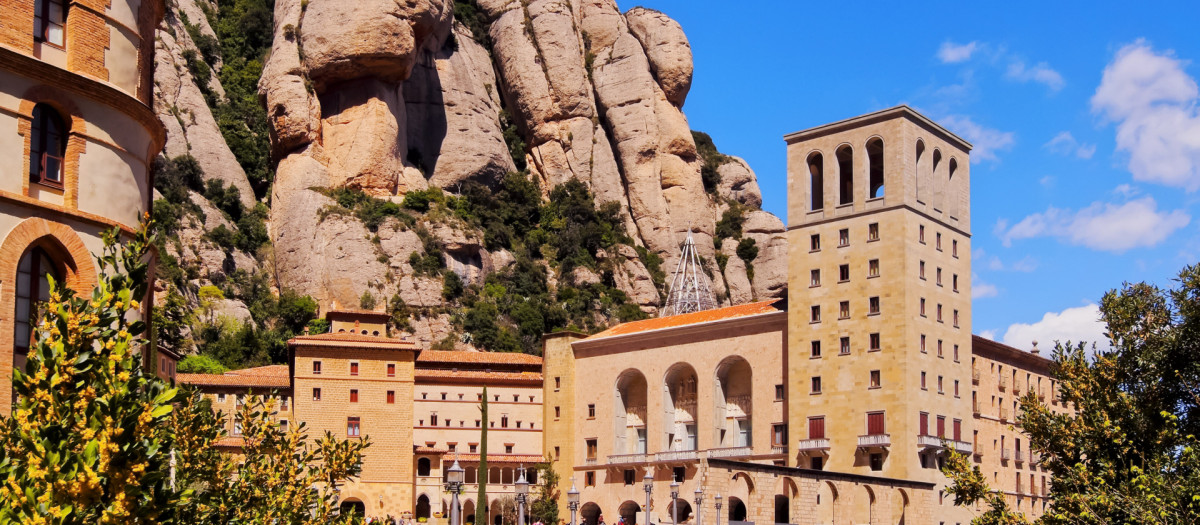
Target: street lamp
{"type": "Point", "coordinates": [699, 501]}
{"type": "Point", "coordinates": [573, 500]}
{"type": "Point", "coordinates": [522, 490]}
{"type": "Point", "coordinates": [648, 485]}
{"type": "Point", "coordinates": [454, 482]}
{"type": "Point", "coordinates": [717, 500]}
{"type": "Point", "coordinates": [674, 507]}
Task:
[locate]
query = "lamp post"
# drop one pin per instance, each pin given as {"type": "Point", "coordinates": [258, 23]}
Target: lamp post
{"type": "Point", "coordinates": [454, 482]}
{"type": "Point", "coordinates": [648, 485]}
{"type": "Point", "coordinates": [699, 502]}
{"type": "Point", "coordinates": [573, 500]}
{"type": "Point", "coordinates": [717, 500]}
{"type": "Point", "coordinates": [522, 489]}
{"type": "Point", "coordinates": [674, 507]}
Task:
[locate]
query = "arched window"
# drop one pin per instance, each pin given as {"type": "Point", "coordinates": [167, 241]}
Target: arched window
{"type": "Point", "coordinates": [816, 179]}
{"type": "Point", "coordinates": [875, 165]}
{"type": "Point", "coordinates": [918, 167]}
{"type": "Point", "coordinates": [49, 18]}
{"type": "Point", "coordinates": [952, 196]}
{"type": "Point", "coordinates": [938, 188]}
{"type": "Point", "coordinates": [845, 160]}
{"type": "Point", "coordinates": [47, 145]}
{"type": "Point", "coordinates": [423, 466]}
{"type": "Point", "coordinates": [32, 287]}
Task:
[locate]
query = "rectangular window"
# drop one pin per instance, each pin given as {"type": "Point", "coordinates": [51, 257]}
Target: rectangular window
{"type": "Point", "coordinates": [591, 448]}
{"type": "Point", "coordinates": [816, 349]}
{"type": "Point", "coordinates": [504, 421]}
{"type": "Point", "coordinates": [352, 427]}
{"type": "Point", "coordinates": [316, 394]}
{"type": "Point", "coordinates": [443, 396]}
{"type": "Point", "coordinates": [939, 241]}
{"type": "Point", "coordinates": [955, 388]}
{"type": "Point", "coordinates": [815, 278]}
{"type": "Point", "coordinates": [874, 379]}
{"type": "Point", "coordinates": [875, 342]}
{"type": "Point", "coordinates": [844, 310]}
{"type": "Point", "coordinates": [923, 351]}
{"type": "Point", "coordinates": [814, 242]}
{"type": "Point", "coordinates": [220, 398]}
{"type": "Point", "coordinates": [592, 411]}
{"type": "Point", "coordinates": [923, 426]}
{"type": "Point", "coordinates": [954, 248]}
{"type": "Point", "coordinates": [921, 269]}
{"type": "Point", "coordinates": [940, 390]}
{"type": "Point", "coordinates": [391, 397]}
{"type": "Point", "coordinates": [629, 477]}
{"type": "Point", "coordinates": [816, 385]}
{"type": "Point", "coordinates": [873, 268]}
{"type": "Point", "coordinates": [922, 307]}
{"type": "Point", "coordinates": [875, 423]}
{"type": "Point", "coordinates": [938, 276]}
{"type": "Point", "coordinates": [433, 419]}
{"type": "Point", "coordinates": [353, 395]}
{"type": "Point", "coordinates": [353, 369]}
{"type": "Point", "coordinates": [956, 318]}
{"type": "Point", "coordinates": [237, 428]}
{"type": "Point", "coordinates": [778, 435]}
{"type": "Point", "coordinates": [316, 368]}
{"type": "Point", "coordinates": [391, 370]}
{"type": "Point", "coordinates": [844, 237]}
{"type": "Point", "coordinates": [49, 17]}
{"type": "Point", "coordinates": [941, 426]}
{"type": "Point", "coordinates": [816, 427]}
{"type": "Point", "coordinates": [923, 387]}
{"type": "Point", "coordinates": [473, 448]}
{"type": "Point", "coordinates": [921, 234]}
{"type": "Point", "coordinates": [283, 425]}
{"type": "Point", "coordinates": [873, 303]}
{"type": "Point", "coordinates": [845, 347]}
{"type": "Point", "coordinates": [557, 413]}
{"type": "Point", "coordinates": [779, 392]}
{"type": "Point", "coordinates": [939, 312]}
{"type": "Point", "coordinates": [954, 282]}
{"type": "Point", "coordinates": [816, 314]}
{"type": "Point", "coordinates": [873, 232]}
{"type": "Point", "coordinates": [844, 273]}
{"type": "Point", "coordinates": [508, 449]}
{"type": "Point", "coordinates": [955, 353]}
{"type": "Point", "coordinates": [939, 353]}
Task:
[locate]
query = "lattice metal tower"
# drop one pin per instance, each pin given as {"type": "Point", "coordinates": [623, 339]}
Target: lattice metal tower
{"type": "Point", "coordinates": [690, 290]}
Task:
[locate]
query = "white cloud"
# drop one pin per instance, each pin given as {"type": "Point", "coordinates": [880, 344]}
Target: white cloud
{"type": "Point", "coordinates": [1041, 73]}
{"type": "Point", "coordinates": [1126, 190]}
{"type": "Point", "coordinates": [988, 334]}
{"type": "Point", "coordinates": [1081, 323]}
{"type": "Point", "coordinates": [1065, 144]}
{"type": "Point", "coordinates": [987, 141]}
{"type": "Point", "coordinates": [982, 290]}
{"type": "Point", "coordinates": [1156, 106]}
{"type": "Point", "coordinates": [983, 259]}
{"type": "Point", "coordinates": [1100, 226]}
{"type": "Point", "coordinates": [951, 53]}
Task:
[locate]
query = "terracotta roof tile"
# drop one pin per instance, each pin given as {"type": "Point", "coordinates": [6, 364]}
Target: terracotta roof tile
{"type": "Point", "coordinates": [357, 312]}
{"type": "Point", "coordinates": [705, 316]}
{"type": "Point", "coordinates": [230, 442]}
{"type": "Point", "coordinates": [236, 380]}
{"type": "Point", "coordinates": [527, 459]}
{"type": "Point", "coordinates": [477, 375]}
{"type": "Point", "coordinates": [268, 371]}
{"type": "Point", "coordinates": [356, 340]}
{"type": "Point", "coordinates": [496, 358]}
{"type": "Point", "coordinates": [421, 449]}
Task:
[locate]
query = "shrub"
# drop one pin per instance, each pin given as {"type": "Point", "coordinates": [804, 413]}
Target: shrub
{"type": "Point", "coordinates": [452, 286]}
{"type": "Point", "coordinates": [747, 250]}
{"type": "Point", "coordinates": [200, 364]}
{"type": "Point", "coordinates": [367, 301]}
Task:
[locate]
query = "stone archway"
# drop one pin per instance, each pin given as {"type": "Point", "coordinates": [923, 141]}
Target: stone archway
{"type": "Point", "coordinates": [590, 513]}
{"type": "Point", "coordinates": [630, 510]}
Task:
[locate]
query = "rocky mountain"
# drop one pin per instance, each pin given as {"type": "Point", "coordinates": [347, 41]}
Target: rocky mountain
{"type": "Point", "coordinates": [432, 155]}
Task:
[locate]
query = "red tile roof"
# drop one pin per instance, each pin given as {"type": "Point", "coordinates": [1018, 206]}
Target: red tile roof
{"type": "Point", "coordinates": [421, 449]}
{"type": "Point", "coordinates": [237, 380]}
{"type": "Point", "coordinates": [478, 375]}
{"type": "Point", "coordinates": [269, 370]}
{"type": "Point", "coordinates": [705, 316]}
{"type": "Point", "coordinates": [356, 312]}
{"type": "Point", "coordinates": [527, 459]}
{"type": "Point", "coordinates": [489, 358]}
{"type": "Point", "coordinates": [342, 339]}
{"type": "Point", "coordinates": [230, 442]}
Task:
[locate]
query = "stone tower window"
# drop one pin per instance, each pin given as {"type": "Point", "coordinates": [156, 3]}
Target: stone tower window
{"type": "Point", "coordinates": [816, 181]}
{"type": "Point", "coordinates": [47, 146]}
{"type": "Point", "coordinates": [845, 160]}
{"type": "Point", "coordinates": [49, 19]}
{"type": "Point", "coordinates": [875, 165]}
{"type": "Point", "coordinates": [33, 287]}
{"type": "Point", "coordinates": [918, 167]}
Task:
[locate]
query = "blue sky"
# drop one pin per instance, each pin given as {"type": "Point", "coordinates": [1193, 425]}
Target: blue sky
{"type": "Point", "coordinates": [1085, 120]}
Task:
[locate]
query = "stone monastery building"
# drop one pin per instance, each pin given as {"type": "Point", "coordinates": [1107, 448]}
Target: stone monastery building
{"type": "Point", "coordinates": [832, 407]}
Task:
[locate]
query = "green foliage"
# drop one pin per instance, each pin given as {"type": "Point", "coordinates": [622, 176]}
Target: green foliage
{"type": "Point", "coordinates": [399, 313]}
{"type": "Point", "coordinates": [317, 326]}
{"type": "Point", "coordinates": [1129, 452]}
{"type": "Point", "coordinates": [653, 263]}
{"type": "Point", "coordinates": [419, 200]}
{"type": "Point", "coordinates": [171, 319]}
{"type": "Point", "coordinates": [730, 225]}
{"type": "Point", "coordinates": [366, 301]}
{"type": "Point", "coordinates": [544, 508]}
{"type": "Point", "coordinates": [711, 159]}
{"type": "Point", "coordinates": [201, 364]}
{"type": "Point", "coordinates": [512, 137]}
{"type": "Point", "coordinates": [372, 211]}
{"type": "Point", "coordinates": [199, 70]}
{"type": "Point", "coordinates": [227, 199]}
{"type": "Point", "coordinates": [470, 15]}
{"type": "Point", "coordinates": [747, 250]}
{"type": "Point", "coordinates": [452, 286]}
{"type": "Point", "coordinates": [275, 320]}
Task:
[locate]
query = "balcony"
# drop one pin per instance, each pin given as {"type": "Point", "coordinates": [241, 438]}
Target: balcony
{"type": "Point", "coordinates": [978, 452]}
{"type": "Point", "coordinates": [1041, 394]}
{"type": "Point", "coordinates": [731, 452]}
{"type": "Point", "coordinates": [975, 376]}
{"type": "Point", "coordinates": [1020, 459]}
{"type": "Point", "coordinates": [937, 442]}
{"type": "Point", "coordinates": [1035, 458]}
{"type": "Point", "coordinates": [1004, 416]}
{"type": "Point", "coordinates": [589, 461]}
{"type": "Point", "coordinates": [1003, 383]}
{"type": "Point", "coordinates": [779, 450]}
{"type": "Point", "coordinates": [1005, 454]}
{"type": "Point", "coordinates": [975, 406]}
{"type": "Point", "coordinates": [620, 459]}
{"type": "Point", "coordinates": [813, 445]}
{"type": "Point", "coordinates": [676, 455]}
{"type": "Point", "coordinates": [875, 441]}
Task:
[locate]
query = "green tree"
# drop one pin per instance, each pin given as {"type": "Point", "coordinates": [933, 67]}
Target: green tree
{"type": "Point", "coordinates": [481, 509]}
{"type": "Point", "coordinates": [545, 507]}
{"type": "Point", "coordinates": [1129, 452]}
{"type": "Point", "coordinates": [201, 364]}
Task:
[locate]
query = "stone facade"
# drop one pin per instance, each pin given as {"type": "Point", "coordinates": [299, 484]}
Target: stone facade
{"type": "Point", "coordinates": [91, 75]}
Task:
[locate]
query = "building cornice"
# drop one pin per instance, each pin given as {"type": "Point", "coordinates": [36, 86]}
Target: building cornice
{"type": "Point", "coordinates": [955, 229]}
{"type": "Point", "coordinates": [57, 212]}
{"type": "Point", "coordinates": [717, 327]}
{"type": "Point", "coordinates": [878, 116]}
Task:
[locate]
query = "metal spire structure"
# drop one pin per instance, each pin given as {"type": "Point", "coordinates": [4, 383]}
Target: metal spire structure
{"type": "Point", "coordinates": [690, 290]}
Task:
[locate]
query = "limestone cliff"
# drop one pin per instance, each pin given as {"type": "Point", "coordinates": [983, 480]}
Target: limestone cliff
{"type": "Point", "coordinates": [389, 99]}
